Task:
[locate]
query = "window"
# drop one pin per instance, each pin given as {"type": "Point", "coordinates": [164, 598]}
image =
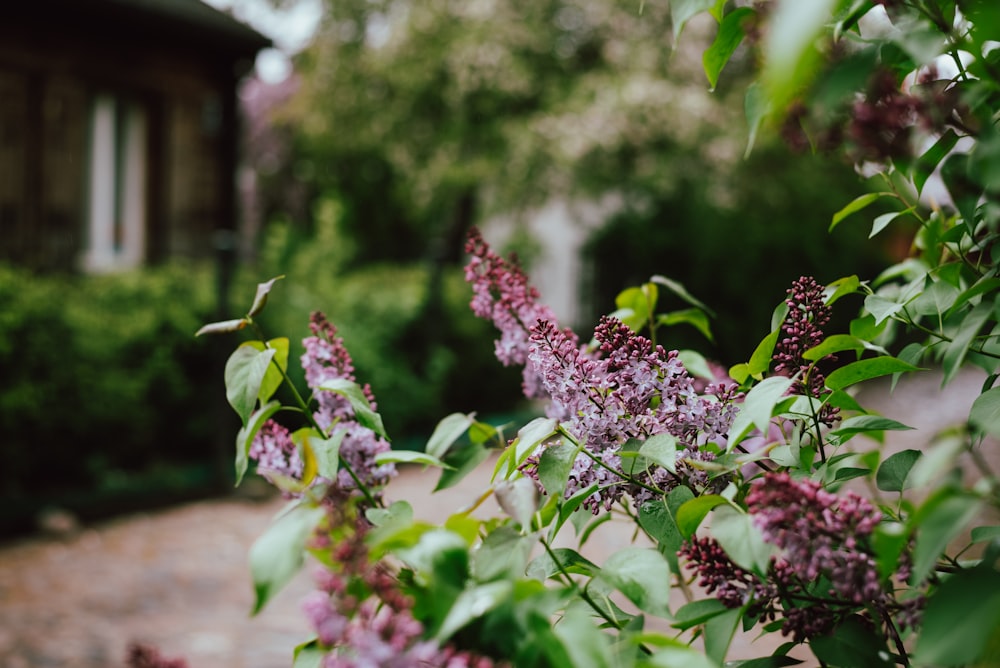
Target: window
{"type": "Point", "coordinates": [116, 185]}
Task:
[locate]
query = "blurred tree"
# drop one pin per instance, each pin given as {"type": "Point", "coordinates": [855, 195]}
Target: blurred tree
{"type": "Point", "coordinates": [424, 116]}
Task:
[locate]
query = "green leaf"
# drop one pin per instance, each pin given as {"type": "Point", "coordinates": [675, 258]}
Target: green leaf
{"type": "Point", "coordinates": [643, 576]}
{"type": "Point", "coordinates": [741, 539]}
{"type": "Point", "coordinates": [881, 308]}
{"type": "Point", "coordinates": [691, 513]}
{"type": "Point", "coordinates": [941, 518]}
{"type": "Point", "coordinates": [518, 498]}
{"type": "Point", "coordinates": [661, 449]}
{"type": "Point", "coordinates": [776, 661]}
{"type": "Point", "coordinates": [529, 437]}
{"type": "Point", "coordinates": [324, 452]}
{"type": "Point", "coordinates": [957, 349]}
{"type": "Point", "coordinates": [882, 221]}
{"type": "Point", "coordinates": [544, 566]}
{"type": "Point", "coordinates": [502, 555]}
{"type": "Point", "coordinates": [964, 190]}
{"type": "Point", "coordinates": [362, 408]}
{"type": "Point", "coordinates": [472, 604]}
{"type": "Point", "coordinates": [867, 369]}
{"type": "Point", "coordinates": [223, 327]}
{"type": "Point", "coordinates": [730, 35]}
{"type": "Point", "coordinates": [719, 631]}
{"type": "Point", "coordinates": [985, 413]}
{"type": "Point", "coordinates": [678, 289]}
{"type": "Point", "coordinates": [860, 424]}
{"type": "Point", "coordinates": [246, 435]}
{"type": "Point", "coordinates": [278, 554]}
{"type": "Point", "coordinates": [857, 204]}
{"type": "Point", "coordinates": [554, 466]}
{"type": "Point", "coordinates": [756, 108]}
{"type": "Point", "coordinates": [758, 406]}
{"type": "Point", "coordinates": [982, 286]}
{"type": "Point", "coordinates": [273, 377]}
{"type": "Point", "coordinates": [760, 360]}
{"type": "Point", "coordinates": [245, 371]}
{"type": "Point", "coordinates": [696, 364]}
{"type": "Point", "coordinates": [851, 644]}
{"type": "Point", "coordinates": [691, 316]}
{"type": "Point", "coordinates": [440, 555]}
{"type": "Point", "coordinates": [891, 475]}
{"type": "Point", "coordinates": [984, 534]}
{"type": "Point", "coordinates": [932, 157]}
{"type": "Point", "coordinates": [682, 11]}
{"type": "Point", "coordinates": [833, 344]}
{"type": "Point", "coordinates": [888, 541]}
{"type": "Point", "coordinates": [260, 299]}
{"type": "Point", "coordinates": [308, 655]}
{"type": "Point", "coordinates": [937, 459]}
{"type": "Point", "coordinates": [447, 431]}
{"type": "Point", "coordinates": [790, 55]}
{"type": "Point", "coordinates": [408, 457]}
{"type": "Point", "coordinates": [842, 287]}
{"type": "Point", "coordinates": [460, 462]}
{"type": "Point", "coordinates": [656, 520]}
{"type": "Point", "coordinates": [586, 646]}
{"type": "Point", "coordinates": [697, 612]}
{"type": "Point", "coordinates": [960, 620]}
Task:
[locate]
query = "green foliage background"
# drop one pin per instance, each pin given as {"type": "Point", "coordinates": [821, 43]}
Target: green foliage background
{"type": "Point", "coordinates": [103, 382]}
{"type": "Point", "coordinates": [737, 247]}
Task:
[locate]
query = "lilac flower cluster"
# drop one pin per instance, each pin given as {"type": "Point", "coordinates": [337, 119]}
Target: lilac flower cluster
{"type": "Point", "coordinates": [326, 359]}
{"type": "Point", "coordinates": [801, 330]}
{"type": "Point", "coordinates": [826, 570]}
{"type": "Point", "coordinates": [821, 534]}
{"type": "Point", "coordinates": [363, 620]}
{"type": "Point", "coordinates": [502, 295]}
{"type": "Point", "coordinates": [626, 388]}
{"type": "Point", "coordinates": [275, 453]}
{"type": "Point", "coordinates": [633, 390]}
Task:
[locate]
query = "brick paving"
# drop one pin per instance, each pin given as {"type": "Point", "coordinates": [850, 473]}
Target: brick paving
{"type": "Point", "coordinates": [178, 579]}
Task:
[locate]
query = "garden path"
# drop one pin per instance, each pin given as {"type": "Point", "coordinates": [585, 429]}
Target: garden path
{"type": "Point", "coordinates": [178, 579]}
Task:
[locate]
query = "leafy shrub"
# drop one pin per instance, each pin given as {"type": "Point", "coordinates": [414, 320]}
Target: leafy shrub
{"type": "Point", "coordinates": [102, 378]}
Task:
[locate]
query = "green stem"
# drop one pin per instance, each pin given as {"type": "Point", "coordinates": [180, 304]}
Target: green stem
{"type": "Point", "coordinates": [583, 592]}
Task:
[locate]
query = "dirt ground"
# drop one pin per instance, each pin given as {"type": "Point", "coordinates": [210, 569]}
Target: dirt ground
{"type": "Point", "coordinates": [178, 579]}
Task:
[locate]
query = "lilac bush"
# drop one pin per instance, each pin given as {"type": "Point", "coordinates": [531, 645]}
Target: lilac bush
{"type": "Point", "coordinates": [760, 499]}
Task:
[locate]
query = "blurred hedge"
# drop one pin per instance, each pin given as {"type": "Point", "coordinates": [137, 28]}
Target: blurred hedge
{"type": "Point", "coordinates": [104, 390]}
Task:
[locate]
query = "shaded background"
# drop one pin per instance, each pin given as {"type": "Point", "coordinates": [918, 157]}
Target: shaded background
{"type": "Point", "coordinates": [579, 134]}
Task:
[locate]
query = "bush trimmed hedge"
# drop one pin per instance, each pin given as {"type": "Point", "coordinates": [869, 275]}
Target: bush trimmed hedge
{"type": "Point", "coordinates": [97, 372]}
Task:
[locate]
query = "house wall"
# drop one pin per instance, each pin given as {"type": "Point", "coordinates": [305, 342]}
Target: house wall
{"type": "Point", "coordinates": [115, 148]}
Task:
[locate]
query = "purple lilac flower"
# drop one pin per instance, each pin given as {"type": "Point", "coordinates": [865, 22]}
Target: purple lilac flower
{"type": "Point", "coordinates": [625, 388]}
{"type": "Point", "coordinates": [826, 571]}
{"type": "Point", "coordinates": [274, 452]}
{"type": "Point", "coordinates": [821, 534]}
{"type": "Point", "coordinates": [502, 295]}
{"type": "Point", "coordinates": [326, 359]}
{"type": "Point", "coordinates": [801, 330]}
{"type": "Point", "coordinates": [362, 618]}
